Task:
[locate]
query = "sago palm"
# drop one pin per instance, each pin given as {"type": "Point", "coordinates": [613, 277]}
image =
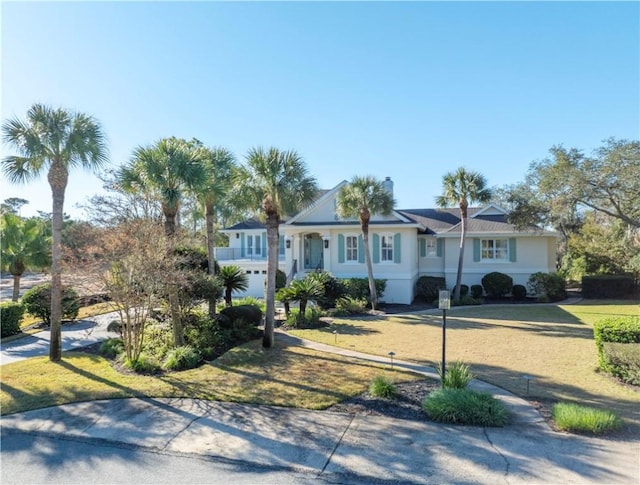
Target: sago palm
{"type": "Point", "coordinates": [233, 278]}
{"type": "Point", "coordinates": [461, 188]}
{"type": "Point", "coordinates": [53, 141]}
{"type": "Point", "coordinates": [274, 183]}
{"type": "Point", "coordinates": [360, 199]}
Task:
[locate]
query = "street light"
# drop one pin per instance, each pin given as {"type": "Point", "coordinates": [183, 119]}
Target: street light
{"type": "Point", "coordinates": [444, 303]}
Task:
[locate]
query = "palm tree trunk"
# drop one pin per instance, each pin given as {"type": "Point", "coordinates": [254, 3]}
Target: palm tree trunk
{"type": "Point", "coordinates": [16, 287]}
{"type": "Point", "coordinates": [463, 234]}
{"type": "Point", "coordinates": [58, 177]}
{"type": "Point", "coordinates": [367, 257]}
{"type": "Point", "coordinates": [272, 267]}
{"type": "Point", "coordinates": [210, 253]}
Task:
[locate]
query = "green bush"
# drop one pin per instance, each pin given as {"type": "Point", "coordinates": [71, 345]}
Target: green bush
{"type": "Point", "coordinates": [428, 287]}
{"type": "Point", "coordinates": [334, 289]}
{"type": "Point", "coordinates": [466, 300]}
{"type": "Point", "coordinates": [623, 361]}
{"type": "Point", "coordinates": [158, 340]}
{"type": "Point", "coordinates": [623, 330]}
{"type": "Point", "coordinates": [358, 288]}
{"type": "Point", "coordinates": [457, 376]}
{"type": "Point", "coordinates": [252, 300]}
{"type": "Point", "coordinates": [37, 301]}
{"type": "Point", "coordinates": [249, 313]}
{"type": "Point", "coordinates": [382, 387]}
{"type": "Point", "coordinates": [182, 358]}
{"type": "Point", "coordinates": [145, 364]}
{"type": "Point", "coordinates": [464, 406]}
{"type": "Point", "coordinates": [608, 286]}
{"type": "Point", "coordinates": [519, 292]}
{"type": "Point", "coordinates": [464, 290]}
{"type": "Point", "coordinates": [207, 337]}
{"type": "Point", "coordinates": [112, 348]}
{"type": "Point", "coordinates": [311, 318]}
{"type": "Point", "coordinates": [551, 285]}
{"type": "Point", "coordinates": [281, 279]}
{"type": "Point", "coordinates": [351, 306]}
{"type": "Point", "coordinates": [497, 284]}
{"type": "Point", "coordinates": [572, 417]}
{"type": "Point", "coordinates": [477, 291]}
{"type": "Point", "coordinates": [10, 317]}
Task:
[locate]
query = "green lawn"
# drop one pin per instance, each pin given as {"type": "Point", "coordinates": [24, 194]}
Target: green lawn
{"type": "Point", "coordinates": [502, 343]}
{"type": "Point", "coordinates": [283, 376]}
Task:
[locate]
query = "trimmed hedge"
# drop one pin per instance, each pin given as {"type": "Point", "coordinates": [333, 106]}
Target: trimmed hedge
{"type": "Point", "coordinates": [428, 287]}
{"type": "Point", "coordinates": [519, 292]}
{"type": "Point", "coordinates": [358, 288]}
{"type": "Point", "coordinates": [623, 330]}
{"type": "Point", "coordinates": [11, 313]}
{"type": "Point", "coordinates": [607, 286]}
{"type": "Point", "coordinates": [476, 291]}
{"type": "Point", "coordinates": [497, 284]}
{"type": "Point", "coordinates": [37, 301]}
{"type": "Point", "coordinates": [548, 286]}
{"type": "Point", "coordinates": [624, 361]}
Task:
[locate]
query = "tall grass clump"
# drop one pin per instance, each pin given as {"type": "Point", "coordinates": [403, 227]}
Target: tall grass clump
{"type": "Point", "coordinates": [464, 406]}
{"type": "Point", "coordinates": [382, 387]}
{"type": "Point", "coordinates": [457, 376]}
{"type": "Point", "coordinates": [182, 358]}
{"type": "Point", "coordinates": [583, 419]}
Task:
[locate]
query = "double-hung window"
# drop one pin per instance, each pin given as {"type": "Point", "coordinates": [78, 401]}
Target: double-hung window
{"type": "Point", "coordinates": [351, 248]}
{"type": "Point", "coordinates": [254, 247]}
{"type": "Point", "coordinates": [431, 248]}
{"type": "Point", "coordinates": [495, 249]}
{"type": "Point", "coordinates": [386, 247]}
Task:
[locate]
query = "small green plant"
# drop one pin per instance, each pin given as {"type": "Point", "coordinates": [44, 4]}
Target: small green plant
{"type": "Point", "coordinates": [158, 340]}
{"type": "Point", "coordinates": [10, 317]}
{"type": "Point", "coordinates": [464, 406]}
{"type": "Point", "coordinates": [572, 417]}
{"type": "Point", "coordinates": [144, 364]}
{"type": "Point", "coordinates": [457, 376]}
{"type": "Point", "coordinates": [382, 387]}
{"type": "Point", "coordinates": [351, 306]}
{"type": "Point", "coordinates": [37, 301]}
{"type": "Point", "coordinates": [181, 358]}
{"type": "Point", "coordinates": [112, 348]}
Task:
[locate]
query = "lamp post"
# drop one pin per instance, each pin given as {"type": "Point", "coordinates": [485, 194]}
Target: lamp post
{"type": "Point", "coordinates": [444, 303]}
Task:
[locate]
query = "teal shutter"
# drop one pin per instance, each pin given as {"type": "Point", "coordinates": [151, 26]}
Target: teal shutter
{"type": "Point", "coordinates": [360, 249]}
{"type": "Point", "coordinates": [242, 245]}
{"type": "Point", "coordinates": [376, 248]}
{"type": "Point", "coordinates": [423, 248]}
{"type": "Point", "coordinates": [512, 249]}
{"type": "Point", "coordinates": [439, 247]}
{"type": "Point", "coordinates": [264, 244]}
{"type": "Point", "coordinates": [476, 250]}
{"type": "Point", "coordinates": [281, 244]}
{"type": "Point", "coordinates": [396, 248]}
{"type": "Point", "coordinates": [340, 248]}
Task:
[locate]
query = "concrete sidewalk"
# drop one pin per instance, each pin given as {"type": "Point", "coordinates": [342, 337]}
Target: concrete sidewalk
{"type": "Point", "coordinates": [327, 443]}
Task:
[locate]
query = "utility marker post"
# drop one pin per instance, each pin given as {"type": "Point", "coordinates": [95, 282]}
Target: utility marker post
{"type": "Point", "coordinates": [444, 303]}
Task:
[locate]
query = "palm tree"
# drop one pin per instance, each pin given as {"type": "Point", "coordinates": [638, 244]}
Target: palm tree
{"type": "Point", "coordinates": [461, 188]}
{"type": "Point", "coordinates": [54, 140]}
{"type": "Point", "coordinates": [278, 182]}
{"type": "Point", "coordinates": [24, 244]}
{"type": "Point", "coordinates": [304, 291]}
{"type": "Point", "coordinates": [360, 199]}
{"type": "Point", "coordinates": [233, 279]}
{"type": "Point", "coordinates": [169, 168]}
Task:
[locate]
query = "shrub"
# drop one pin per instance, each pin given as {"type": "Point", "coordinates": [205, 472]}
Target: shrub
{"type": "Point", "coordinates": [158, 340]}
{"type": "Point", "coordinates": [311, 318]}
{"type": "Point", "coordinates": [252, 300]}
{"type": "Point", "coordinates": [497, 284]}
{"type": "Point", "coordinates": [624, 330]}
{"type": "Point", "coordinates": [37, 301]}
{"type": "Point", "coordinates": [205, 335]}
{"type": "Point", "coordinates": [464, 406]}
{"type": "Point", "coordinates": [572, 417]}
{"type": "Point", "coordinates": [466, 300]}
{"type": "Point", "coordinates": [358, 288]}
{"type": "Point", "coordinates": [551, 285]}
{"type": "Point", "coordinates": [144, 364]}
{"type": "Point", "coordinates": [464, 290]}
{"type": "Point", "coordinates": [607, 286]}
{"type": "Point", "coordinates": [181, 358]}
{"type": "Point", "coordinates": [519, 292]}
{"type": "Point", "coordinates": [382, 387]}
{"type": "Point", "coordinates": [112, 348]}
{"type": "Point", "coordinates": [10, 317]}
{"type": "Point", "coordinates": [249, 313]}
{"type": "Point", "coordinates": [623, 361]}
{"type": "Point", "coordinates": [281, 279]}
{"type": "Point", "coordinates": [334, 289]}
{"type": "Point", "coordinates": [427, 287]}
{"type": "Point", "coordinates": [476, 291]}
{"type": "Point", "coordinates": [457, 376]}
{"type": "Point", "coordinates": [351, 306]}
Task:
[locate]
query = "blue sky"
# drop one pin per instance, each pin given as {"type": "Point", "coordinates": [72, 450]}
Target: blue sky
{"type": "Point", "coordinates": [408, 90]}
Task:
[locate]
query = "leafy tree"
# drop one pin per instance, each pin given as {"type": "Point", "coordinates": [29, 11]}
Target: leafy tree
{"type": "Point", "coordinates": [274, 183]}
{"type": "Point", "coordinates": [233, 279]}
{"type": "Point", "coordinates": [168, 169]}
{"type": "Point", "coordinates": [12, 205]}
{"type": "Point", "coordinates": [461, 188]}
{"type": "Point", "coordinates": [24, 245]}
{"type": "Point", "coordinates": [304, 291]}
{"type": "Point", "coordinates": [54, 140]}
{"type": "Point", "coordinates": [360, 199]}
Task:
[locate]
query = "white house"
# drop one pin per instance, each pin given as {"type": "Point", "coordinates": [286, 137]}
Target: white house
{"type": "Point", "coordinates": [404, 246]}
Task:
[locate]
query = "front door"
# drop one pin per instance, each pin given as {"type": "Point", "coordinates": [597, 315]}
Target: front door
{"type": "Point", "coordinates": [313, 252]}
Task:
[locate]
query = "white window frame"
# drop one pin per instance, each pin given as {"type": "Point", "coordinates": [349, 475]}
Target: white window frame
{"type": "Point", "coordinates": [431, 248]}
{"type": "Point", "coordinates": [350, 250]}
{"type": "Point", "coordinates": [489, 250]}
{"type": "Point", "coordinates": [386, 248]}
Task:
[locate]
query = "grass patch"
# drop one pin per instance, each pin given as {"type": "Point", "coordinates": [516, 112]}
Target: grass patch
{"type": "Point", "coordinates": [582, 419]}
{"type": "Point", "coordinates": [382, 387]}
{"type": "Point", "coordinates": [502, 343]}
{"type": "Point", "coordinates": [84, 312]}
{"type": "Point", "coordinates": [465, 406]}
{"type": "Point", "coordinates": [283, 376]}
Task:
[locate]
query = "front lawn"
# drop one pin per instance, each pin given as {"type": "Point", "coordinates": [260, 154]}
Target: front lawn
{"type": "Point", "coordinates": [503, 343]}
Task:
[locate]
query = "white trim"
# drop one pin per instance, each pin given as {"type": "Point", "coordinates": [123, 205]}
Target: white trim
{"type": "Point", "coordinates": [315, 203]}
{"type": "Point", "coordinates": [486, 209]}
